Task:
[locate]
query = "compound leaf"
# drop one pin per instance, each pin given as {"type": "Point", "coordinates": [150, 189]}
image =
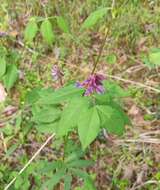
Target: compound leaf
{"type": "Point", "coordinates": [70, 115]}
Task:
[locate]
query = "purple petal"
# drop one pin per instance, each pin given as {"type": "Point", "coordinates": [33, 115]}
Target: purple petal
{"type": "Point", "coordinates": [89, 91]}
{"type": "Point", "coordinates": [92, 84]}
{"type": "Point", "coordinates": [56, 72]}
{"type": "Point", "coordinates": [100, 89]}
{"type": "Point", "coordinates": [79, 85]}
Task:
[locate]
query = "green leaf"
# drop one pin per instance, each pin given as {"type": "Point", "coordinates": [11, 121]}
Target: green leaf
{"type": "Point", "coordinates": [70, 115]}
{"type": "Point", "coordinates": [88, 126]}
{"type": "Point", "coordinates": [125, 117]}
{"type": "Point", "coordinates": [47, 32]}
{"type": "Point", "coordinates": [50, 184]}
{"type": "Point", "coordinates": [31, 30]}
{"type": "Point", "coordinates": [80, 173]}
{"type": "Point", "coordinates": [61, 95]}
{"type": "Point", "coordinates": [146, 61]}
{"type": "Point", "coordinates": [25, 184]}
{"type": "Point", "coordinates": [111, 119]}
{"type": "Point", "coordinates": [93, 18]}
{"type": "Point", "coordinates": [32, 96]}
{"type": "Point", "coordinates": [80, 163]}
{"type": "Point", "coordinates": [89, 185]}
{"type": "Point", "coordinates": [71, 147]}
{"type": "Point", "coordinates": [47, 115]}
{"type": "Point", "coordinates": [114, 90]}
{"type": "Point", "coordinates": [85, 177]}
{"type": "Point", "coordinates": [111, 59]}
{"type": "Point", "coordinates": [2, 66]}
{"type": "Point", "coordinates": [62, 24]}
{"type": "Point", "coordinates": [51, 166]}
{"type": "Point", "coordinates": [18, 182]}
{"type": "Point", "coordinates": [11, 76]}
{"type": "Point", "coordinates": [67, 182]}
{"type": "Point", "coordinates": [102, 99]}
{"type": "Point", "coordinates": [18, 122]}
{"type": "Point", "coordinates": [47, 128]}
{"type": "Point", "coordinates": [11, 150]}
{"type": "Point", "coordinates": [3, 50]}
{"type": "Point", "coordinates": [74, 156]}
{"type": "Point", "coordinates": [154, 57]}
{"type": "Point", "coordinates": [35, 109]}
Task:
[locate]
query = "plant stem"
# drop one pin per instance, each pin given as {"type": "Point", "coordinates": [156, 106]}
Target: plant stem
{"type": "Point", "coordinates": [100, 52]}
{"type": "Point", "coordinates": [61, 81]}
{"type": "Point", "coordinates": [4, 143]}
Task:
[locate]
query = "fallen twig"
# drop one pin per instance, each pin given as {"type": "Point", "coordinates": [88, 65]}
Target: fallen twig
{"type": "Point", "coordinates": [142, 140]}
{"type": "Point", "coordinates": [29, 162]}
{"type": "Point", "coordinates": [137, 84]}
{"type": "Point", "coordinates": [146, 183]}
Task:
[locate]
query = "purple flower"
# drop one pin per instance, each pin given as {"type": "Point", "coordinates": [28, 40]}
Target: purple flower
{"type": "Point", "coordinates": [56, 73]}
{"type": "Point", "coordinates": [3, 34]}
{"type": "Point", "coordinates": [92, 84]}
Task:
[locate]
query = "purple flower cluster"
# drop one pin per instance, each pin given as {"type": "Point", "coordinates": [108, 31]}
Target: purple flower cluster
{"type": "Point", "coordinates": [56, 73]}
{"type": "Point", "coordinates": [92, 84]}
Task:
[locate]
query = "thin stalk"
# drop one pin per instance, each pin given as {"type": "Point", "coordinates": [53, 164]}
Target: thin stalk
{"type": "Point", "coordinates": [61, 81]}
{"type": "Point", "coordinates": [100, 52]}
{"type": "Point", "coordinates": [4, 143]}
